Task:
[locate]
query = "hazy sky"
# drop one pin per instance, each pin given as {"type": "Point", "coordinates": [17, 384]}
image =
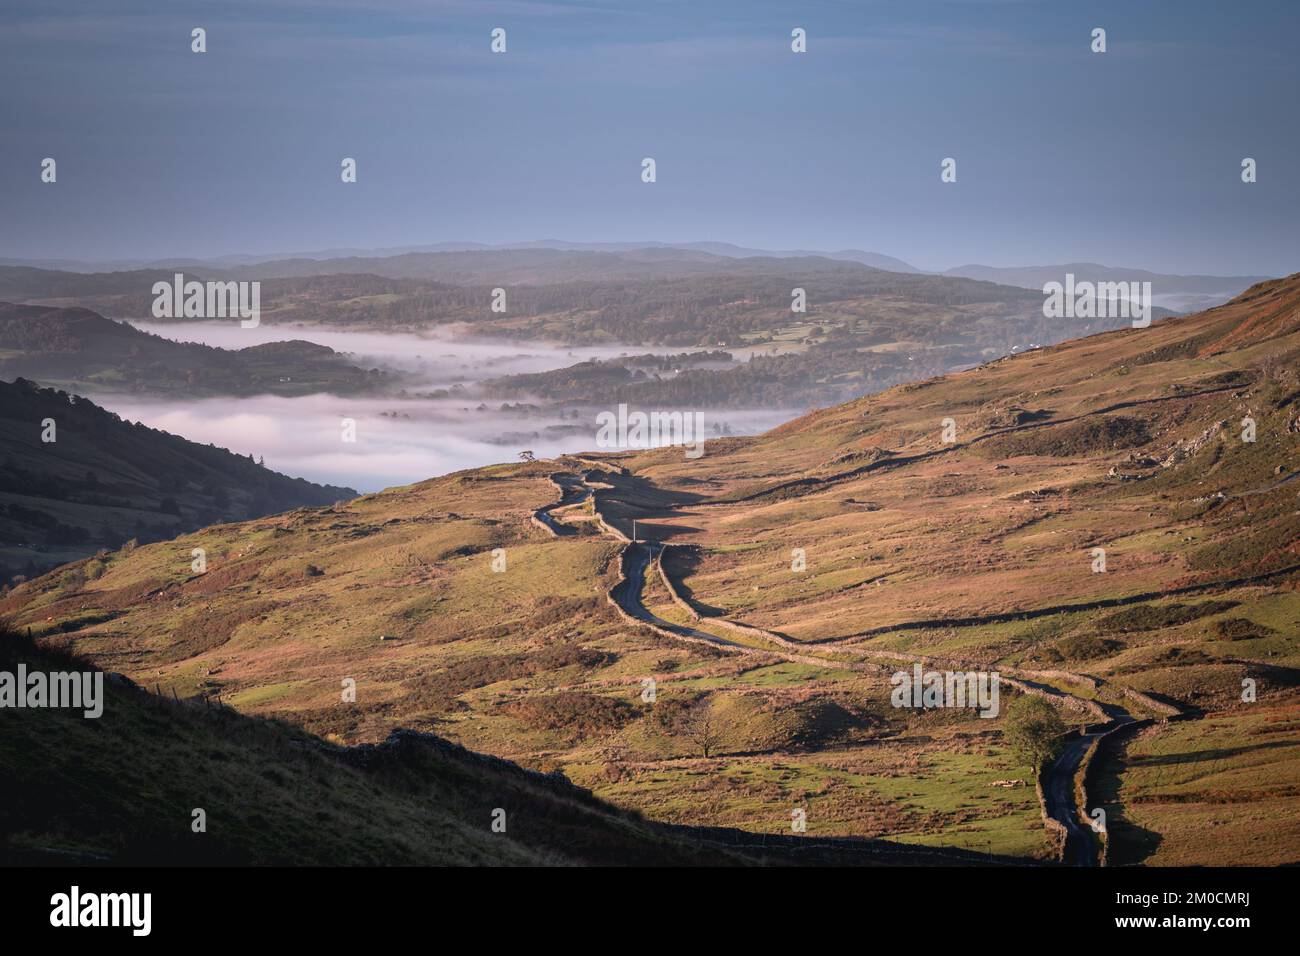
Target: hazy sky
{"type": "Point", "coordinates": [1131, 157]}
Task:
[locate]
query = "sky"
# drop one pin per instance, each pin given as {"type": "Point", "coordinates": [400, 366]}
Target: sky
{"type": "Point", "coordinates": [1130, 157]}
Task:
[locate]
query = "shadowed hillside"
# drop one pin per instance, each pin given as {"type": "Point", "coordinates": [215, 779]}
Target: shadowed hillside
{"type": "Point", "coordinates": [122, 789]}
{"type": "Point", "coordinates": [102, 481]}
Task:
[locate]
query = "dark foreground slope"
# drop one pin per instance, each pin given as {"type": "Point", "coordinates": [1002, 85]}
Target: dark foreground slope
{"type": "Point", "coordinates": [103, 481]}
{"type": "Point", "coordinates": [123, 788]}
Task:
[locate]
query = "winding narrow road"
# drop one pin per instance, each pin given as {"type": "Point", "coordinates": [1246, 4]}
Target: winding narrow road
{"type": "Point", "coordinates": [1059, 796]}
{"type": "Point", "coordinates": [637, 558]}
{"type": "Point", "coordinates": [572, 490]}
{"type": "Point", "coordinates": [1061, 805]}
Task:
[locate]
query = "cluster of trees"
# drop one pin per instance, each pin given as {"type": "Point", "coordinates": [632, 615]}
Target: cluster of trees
{"type": "Point", "coordinates": [46, 526]}
{"type": "Point", "coordinates": [821, 375]}
{"type": "Point", "coordinates": [1034, 731]}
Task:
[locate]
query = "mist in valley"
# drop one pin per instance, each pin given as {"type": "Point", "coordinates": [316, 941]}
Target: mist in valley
{"type": "Point", "coordinates": [440, 357]}
{"type": "Point", "coordinates": [398, 439]}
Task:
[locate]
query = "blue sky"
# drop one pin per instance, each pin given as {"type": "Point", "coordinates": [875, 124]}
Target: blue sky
{"type": "Point", "coordinates": [1131, 157]}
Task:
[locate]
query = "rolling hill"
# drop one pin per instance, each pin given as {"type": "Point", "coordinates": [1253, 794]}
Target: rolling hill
{"type": "Point", "coordinates": [81, 350]}
{"type": "Point", "coordinates": [102, 481]}
{"type": "Point", "coordinates": [1111, 523]}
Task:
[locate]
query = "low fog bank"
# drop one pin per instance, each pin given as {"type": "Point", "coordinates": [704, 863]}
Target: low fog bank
{"type": "Point", "coordinates": [438, 358]}
{"type": "Point", "coordinates": [397, 441]}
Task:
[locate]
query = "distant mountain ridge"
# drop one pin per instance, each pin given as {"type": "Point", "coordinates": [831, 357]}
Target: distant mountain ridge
{"type": "Point", "coordinates": [221, 263]}
{"type": "Point", "coordinates": [557, 260]}
{"type": "Point", "coordinates": [1027, 276]}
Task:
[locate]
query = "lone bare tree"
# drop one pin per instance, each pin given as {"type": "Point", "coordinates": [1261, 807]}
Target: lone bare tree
{"type": "Point", "coordinates": [702, 726]}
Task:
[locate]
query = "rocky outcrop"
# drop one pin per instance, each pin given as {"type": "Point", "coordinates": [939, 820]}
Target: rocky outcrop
{"type": "Point", "coordinates": [1186, 449]}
